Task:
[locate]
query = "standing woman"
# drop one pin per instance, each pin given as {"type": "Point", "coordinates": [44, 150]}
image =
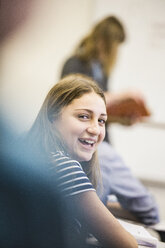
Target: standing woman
{"type": "Point", "coordinates": [96, 56]}
{"type": "Point", "coordinates": [66, 133]}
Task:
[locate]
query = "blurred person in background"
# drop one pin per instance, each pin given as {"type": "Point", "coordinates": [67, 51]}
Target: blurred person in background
{"type": "Point", "coordinates": [96, 56]}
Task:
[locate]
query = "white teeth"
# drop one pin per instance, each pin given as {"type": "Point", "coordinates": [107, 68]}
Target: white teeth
{"type": "Point", "coordinates": [89, 141]}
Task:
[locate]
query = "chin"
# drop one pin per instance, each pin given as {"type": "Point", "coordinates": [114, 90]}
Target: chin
{"type": "Point", "coordinates": [85, 158]}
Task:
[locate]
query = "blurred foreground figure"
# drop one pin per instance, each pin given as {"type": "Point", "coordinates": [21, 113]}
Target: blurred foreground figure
{"type": "Point", "coordinates": [32, 213]}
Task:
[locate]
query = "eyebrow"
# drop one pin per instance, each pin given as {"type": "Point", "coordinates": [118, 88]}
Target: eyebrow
{"type": "Point", "coordinates": [90, 111]}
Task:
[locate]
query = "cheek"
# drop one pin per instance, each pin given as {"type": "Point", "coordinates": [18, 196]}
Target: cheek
{"type": "Point", "coordinates": [71, 131]}
{"type": "Point", "coordinates": [102, 134]}
{"type": "Point", "coordinates": [75, 127]}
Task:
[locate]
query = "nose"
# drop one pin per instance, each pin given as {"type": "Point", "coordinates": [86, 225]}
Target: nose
{"type": "Point", "coordinates": [94, 129]}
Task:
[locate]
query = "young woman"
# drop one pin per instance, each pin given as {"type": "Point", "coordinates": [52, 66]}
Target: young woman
{"type": "Point", "coordinates": [67, 131]}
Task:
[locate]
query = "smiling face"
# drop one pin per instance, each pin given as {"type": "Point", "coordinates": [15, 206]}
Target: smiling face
{"type": "Point", "coordinates": [82, 125]}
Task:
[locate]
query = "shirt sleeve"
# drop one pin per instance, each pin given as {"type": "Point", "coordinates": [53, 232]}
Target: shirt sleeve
{"type": "Point", "coordinates": [119, 181]}
{"type": "Point", "coordinates": [71, 178]}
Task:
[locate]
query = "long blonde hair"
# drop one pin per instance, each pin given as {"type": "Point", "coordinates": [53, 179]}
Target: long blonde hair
{"type": "Point", "coordinates": [109, 32]}
{"type": "Point", "coordinates": [43, 135]}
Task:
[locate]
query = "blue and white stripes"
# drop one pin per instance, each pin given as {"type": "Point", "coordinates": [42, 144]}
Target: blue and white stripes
{"type": "Point", "coordinates": [71, 178]}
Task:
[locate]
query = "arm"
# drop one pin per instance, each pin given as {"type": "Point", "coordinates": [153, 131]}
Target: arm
{"type": "Point", "coordinates": [118, 180]}
{"type": "Point", "coordinates": [116, 209]}
{"type": "Point", "coordinates": [100, 222]}
{"type": "Point", "coordinates": [126, 107]}
{"type": "Point", "coordinates": [86, 205]}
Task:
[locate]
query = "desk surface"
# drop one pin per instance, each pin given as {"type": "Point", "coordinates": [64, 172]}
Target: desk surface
{"type": "Point", "coordinates": [160, 245]}
{"type": "Point", "coordinates": [92, 242]}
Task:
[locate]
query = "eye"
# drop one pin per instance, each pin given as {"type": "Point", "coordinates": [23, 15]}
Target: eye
{"type": "Point", "coordinates": [83, 116]}
{"type": "Point", "coordinates": [102, 121]}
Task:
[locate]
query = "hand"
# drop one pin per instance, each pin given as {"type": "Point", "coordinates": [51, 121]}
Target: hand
{"type": "Point", "coordinates": [126, 108]}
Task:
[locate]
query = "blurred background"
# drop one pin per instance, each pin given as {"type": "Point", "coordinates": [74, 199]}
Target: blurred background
{"type": "Point", "coordinates": [32, 57]}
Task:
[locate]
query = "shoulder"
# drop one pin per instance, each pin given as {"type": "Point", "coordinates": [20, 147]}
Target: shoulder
{"type": "Point", "coordinates": [66, 167]}
{"type": "Point", "coordinates": [60, 159]}
{"type": "Point", "coordinates": [73, 60]}
{"type": "Point", "coordinates": [70, 175]}
{"type": "Point", "coordinates": [75, 65]}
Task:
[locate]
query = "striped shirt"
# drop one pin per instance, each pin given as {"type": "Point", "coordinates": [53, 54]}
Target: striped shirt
{"type": "Point", "coordinates": [71, 178]}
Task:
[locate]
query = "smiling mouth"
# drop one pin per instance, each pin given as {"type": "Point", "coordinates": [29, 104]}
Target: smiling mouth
{"type": "Point", "coordinates": [87, 142]}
